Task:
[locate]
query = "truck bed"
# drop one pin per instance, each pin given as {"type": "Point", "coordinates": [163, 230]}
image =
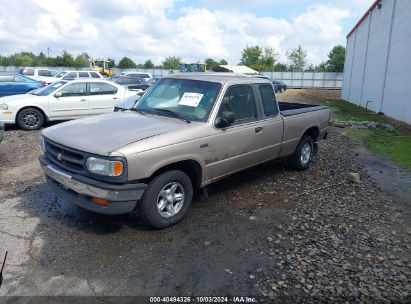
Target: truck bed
{"type": "Point", "coordinates": [290, 108]}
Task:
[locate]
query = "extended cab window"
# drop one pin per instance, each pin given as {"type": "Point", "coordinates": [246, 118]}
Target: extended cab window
{"type": "Point", "coordinates": [102, 89]}
{"type": "Point", "coordinates": [74, 89]}
{"type": "Point", "coordinates": [239, 99]}
{"type": "Point", "coordinates": [268, 98]}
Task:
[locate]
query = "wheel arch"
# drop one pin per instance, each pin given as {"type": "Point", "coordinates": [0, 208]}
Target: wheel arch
{"type": "Point", "coordinates": [46, 118]}
{"type": "Point", "coordinates": [313, 132]}
{"type": "Point", "coordinates": [190, 167]}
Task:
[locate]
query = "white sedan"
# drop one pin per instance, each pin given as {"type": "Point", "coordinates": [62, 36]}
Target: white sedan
{"type": "Point", "coordinates": [62, 100]}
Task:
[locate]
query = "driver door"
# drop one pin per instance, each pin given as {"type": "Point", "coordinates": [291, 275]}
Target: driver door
{"type": "Point", "coordinates": [237, 146]}
{"type": "Point", "coordinates": [72, 103]}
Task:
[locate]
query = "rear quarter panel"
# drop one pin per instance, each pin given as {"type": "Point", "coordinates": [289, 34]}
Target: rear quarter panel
{"type": "Point", "coordinates": [296, 125]}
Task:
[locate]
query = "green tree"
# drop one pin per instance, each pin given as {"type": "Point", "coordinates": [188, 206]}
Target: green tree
{"type": "Point", "coordinates": [126, 63]}
{"type": "Point", "coordinates": [172, 62]}
{"type": "Point", "coordinates": [148, 64]}
{"type": "Point", "coordinates": [211, 63]}
{"type": "Point", "coordinates": [82, 60]}
{"type": "Point", "coordinates": [258, 58]}
{"type": "Point", "coordinates": [281, 67]}
{"type": "Point", "coordinates": [25, 59]}
{"type": "Point", "coordinates": [322, 67]}
{"type": "Point", "coordinates": [297, 58]}
{"type": "Point", "coordinates": [251, 55]}
{"type": "Point", "coordinates": [336, 59]}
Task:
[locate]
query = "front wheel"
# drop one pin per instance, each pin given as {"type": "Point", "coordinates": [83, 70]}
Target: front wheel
{"type": "Point", "coordinates": [303, 155]}
{"type": "Point", "coordinates": [30, 119]}
{"type": "Point", "coordinates": [166, 199]}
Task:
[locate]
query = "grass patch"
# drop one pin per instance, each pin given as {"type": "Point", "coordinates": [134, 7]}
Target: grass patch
{"type": "Point", "coordinates": [394, 145]}
{"type": "Point", "coordinates": [346, 111]}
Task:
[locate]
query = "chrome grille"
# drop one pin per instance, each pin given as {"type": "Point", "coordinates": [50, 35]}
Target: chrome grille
{"type": "Point", "coordinates": [69, 159]}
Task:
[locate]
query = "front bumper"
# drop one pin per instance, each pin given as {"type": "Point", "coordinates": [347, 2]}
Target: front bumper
{"type": "Point", "coordinates": [80, 190]}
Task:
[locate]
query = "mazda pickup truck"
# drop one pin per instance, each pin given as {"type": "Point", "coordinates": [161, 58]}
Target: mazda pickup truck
{"type": "Point", "coordinates": [186, 132]}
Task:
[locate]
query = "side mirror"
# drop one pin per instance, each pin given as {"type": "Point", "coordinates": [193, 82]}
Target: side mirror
{"type": "Point", "coordinates": [58, 94]}
{"type": "Point", "coordinates": [225, 119]}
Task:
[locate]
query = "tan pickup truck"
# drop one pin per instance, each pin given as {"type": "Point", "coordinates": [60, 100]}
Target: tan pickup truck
{"type": "Point", "coordinates": [186, 132]}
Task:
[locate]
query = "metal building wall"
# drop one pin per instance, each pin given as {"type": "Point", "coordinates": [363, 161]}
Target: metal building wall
{"type": "Point", "coordinates": [378, 61]}
{"type": "Point", "coordinates": [377, 55]}
{"type": "Point", "coordinates": [397, 96]}
{"type": "Point", "coordinates": [349, 53]}
{"type": "Point", "coordinates": [359, 56]}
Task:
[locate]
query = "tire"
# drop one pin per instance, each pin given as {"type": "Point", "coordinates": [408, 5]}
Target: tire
{"type": "Point", "coordinates": [30, 119]}
{"type": "Point", "coordinates": [303, 155]}
{"type": "Point", "coordinates": [282, 90]}
{"type": "Point", "coordinates": [159, 210]}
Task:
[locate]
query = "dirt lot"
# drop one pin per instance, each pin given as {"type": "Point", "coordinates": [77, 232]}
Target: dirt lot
{"type": "Point", "coordinates": [269, 232]}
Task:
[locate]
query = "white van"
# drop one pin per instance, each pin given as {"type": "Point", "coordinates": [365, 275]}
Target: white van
{"type": "Point", "coordinates": [41, 74]}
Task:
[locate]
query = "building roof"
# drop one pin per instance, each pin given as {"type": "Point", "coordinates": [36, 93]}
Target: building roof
{"type": "Point", "coordinates": [376, 2]}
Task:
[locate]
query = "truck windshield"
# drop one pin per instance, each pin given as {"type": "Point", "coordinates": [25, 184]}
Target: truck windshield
{"type": "Point", "coordinates": [191, 99]}
{"type": "Point", "coordinates": [50, 88]}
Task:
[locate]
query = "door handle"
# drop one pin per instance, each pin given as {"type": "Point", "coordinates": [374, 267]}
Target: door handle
{"type": "Point", "coordinates": [83, 99]}
{"type": "Point", "coordinates": [115, 98]}
{"type": "Point", "coordinates": [258, 129]}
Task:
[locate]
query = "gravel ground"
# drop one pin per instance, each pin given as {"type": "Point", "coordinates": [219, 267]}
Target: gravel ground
{"type": "Point", "coordinates": [268, 232]}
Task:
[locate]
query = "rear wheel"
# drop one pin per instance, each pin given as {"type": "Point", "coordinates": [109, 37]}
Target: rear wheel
{"type": "Point", "coordinates": [303, 155]}
{"type": "Point", "coordinates": [30, 119]}
{"type": "Point", "coordinates": [166, 199]}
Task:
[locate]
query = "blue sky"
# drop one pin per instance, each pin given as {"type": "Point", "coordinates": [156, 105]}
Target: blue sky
{"type": "Point", "coordinates": [192, 30]}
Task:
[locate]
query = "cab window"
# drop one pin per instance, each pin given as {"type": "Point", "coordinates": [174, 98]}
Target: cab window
{"type": "Point", "coordinates": [268, 99]}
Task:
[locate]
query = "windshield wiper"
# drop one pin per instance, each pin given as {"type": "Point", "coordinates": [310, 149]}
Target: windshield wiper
{"type": "Point", "coordinates": [175, 114]}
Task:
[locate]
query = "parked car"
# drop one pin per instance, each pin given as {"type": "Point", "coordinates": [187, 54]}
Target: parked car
{"type": "Point", "coordinates": [12, 84]}
{"type": "Point", "coordinates": [40, 74]}
{"type": "Point", "coordinates": [60, 74]}
{"type": "Point", "coordinates": [70, 75]}
{"type": "Point", "coordinates": [146, 76]}
{"type": "Point", "coordinates": [186, 132]}
{"type": "Point", "coordinates": [128, 103]}
{"type": "Point", "coordinates": [279, 86]}
{"type": "Point", "coordinates": [62, 100]}
{"type": "Point", "coordinates": [132, 83]}
{"type": "Point", "coordinates": [1, 131]}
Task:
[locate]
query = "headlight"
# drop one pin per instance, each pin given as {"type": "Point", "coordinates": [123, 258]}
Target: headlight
{"type": "Point", "coordinates": [4, 106]}
{"type": "Point", "coordinates": [104, 166]}
{"type": "Point", "coordinates": [42, 144]}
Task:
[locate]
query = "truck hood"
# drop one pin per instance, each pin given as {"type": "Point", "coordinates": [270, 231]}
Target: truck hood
{"type": "Point", "coordinates": [104, 134]}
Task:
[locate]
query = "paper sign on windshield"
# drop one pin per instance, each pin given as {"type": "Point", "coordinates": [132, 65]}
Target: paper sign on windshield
{"type": "Point", "coordinates": [190, 99]}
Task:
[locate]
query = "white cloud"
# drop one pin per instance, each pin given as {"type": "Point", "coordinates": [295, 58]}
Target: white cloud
{"type": "Point", "coordinates": [143, 29]}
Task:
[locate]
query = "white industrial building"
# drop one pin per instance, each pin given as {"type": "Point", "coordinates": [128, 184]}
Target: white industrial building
{"type": "Point", "coordinates": [377, 68]}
